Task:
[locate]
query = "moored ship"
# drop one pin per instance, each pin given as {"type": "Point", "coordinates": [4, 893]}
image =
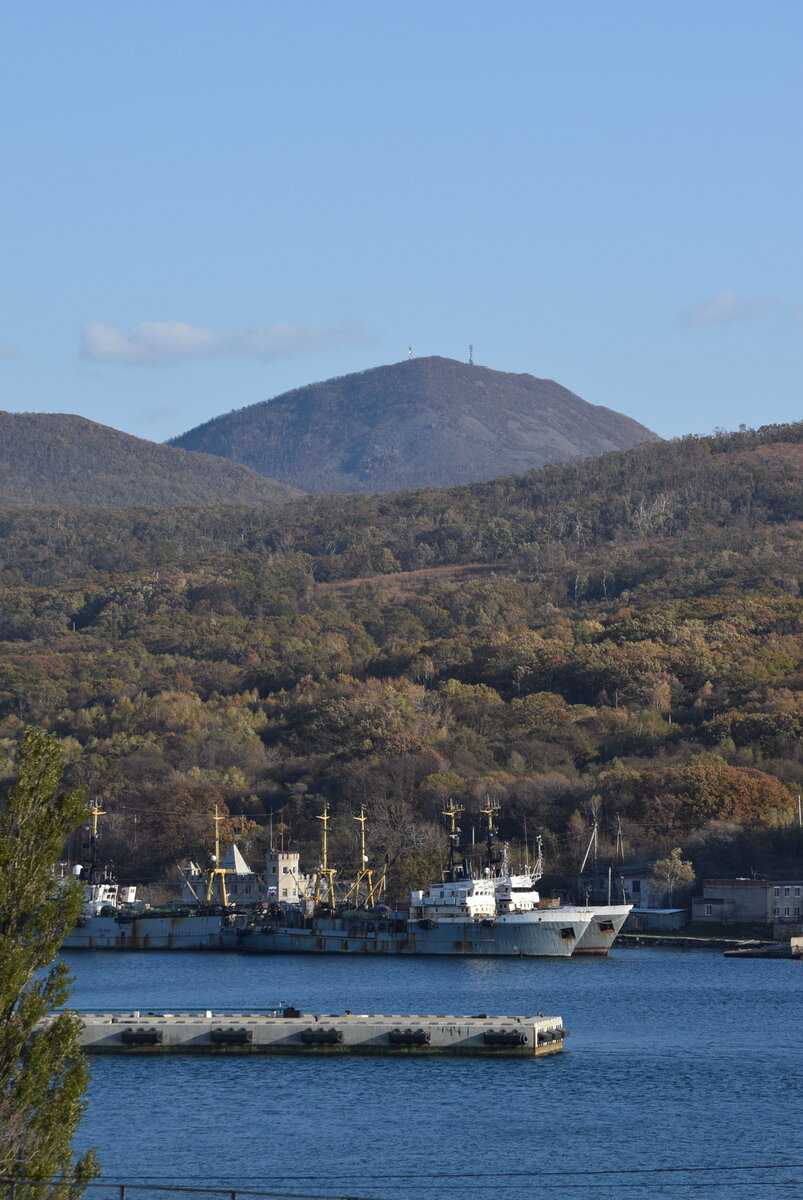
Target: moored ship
{"type": "Point", "coordinates": [149, 929]}
{"type": "Point", "coordinates": [494, 914]}
{"type": "Point", "coordinates": [111, 918]}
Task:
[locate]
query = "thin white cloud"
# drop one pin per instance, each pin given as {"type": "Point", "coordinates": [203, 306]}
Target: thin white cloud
{"type": "Point", "coordinates": [161, 342]}
{"type": "Point", "coordinates": [724, 309]}
{"type": "Point", "coordinates": [9, 352]}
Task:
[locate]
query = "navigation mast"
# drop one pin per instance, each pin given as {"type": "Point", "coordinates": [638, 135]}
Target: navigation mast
{"type": "Point", "coordinates": [491, 857]}
{"type": "Point", "coordinates": [95, 872]}
{"type": "Point", "coordinates": [365, 875]}
{"type": "Point", "coordinates": [453, 812]}
{"type": "Point", "coordinates": [325, 874]}
{"type": "Point", "coordinates": [216, 871]}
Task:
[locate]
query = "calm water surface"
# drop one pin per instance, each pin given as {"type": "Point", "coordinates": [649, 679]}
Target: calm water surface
{"type": "Point", "coordinates": [676, 1059]}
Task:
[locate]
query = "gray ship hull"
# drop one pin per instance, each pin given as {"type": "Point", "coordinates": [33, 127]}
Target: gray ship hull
{"type": "Point", "coordinates": [178, 932]}
{"type": "Point", "coordinates": [505, 937]}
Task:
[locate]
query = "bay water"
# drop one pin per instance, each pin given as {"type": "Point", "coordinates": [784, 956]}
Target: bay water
{"type": "Point", "coordinates": [681, 1077]}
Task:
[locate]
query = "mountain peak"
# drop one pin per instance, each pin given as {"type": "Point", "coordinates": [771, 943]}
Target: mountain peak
{"type": "Point", "coordinates": [422, 422]}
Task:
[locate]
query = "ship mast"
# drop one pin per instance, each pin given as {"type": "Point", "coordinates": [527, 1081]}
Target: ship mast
{"type": "Point", "coordinates": [217, 872]}
{"type": "Point", "coordinates": [325, 874]}
{"type": "Point", "coordinates": [365, 876]}
{"type": "Point", "coordinates": [453, 812]}
{"type": "Point", "coordinates": [94, 858]}
{"type": "Point", "coordinates": [95, 874]}
{"type": "Point", "coordinates": [490, 833]}
{"type": "Point", "coordinates": [538, 869]}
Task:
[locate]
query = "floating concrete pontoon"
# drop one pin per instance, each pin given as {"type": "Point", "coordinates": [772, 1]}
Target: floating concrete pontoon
{"type": "Point", "coordinates": [288, 1031]}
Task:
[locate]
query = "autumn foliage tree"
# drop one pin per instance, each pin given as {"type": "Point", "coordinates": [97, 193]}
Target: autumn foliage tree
{"type": "Point", "coordinates": [671, 873]}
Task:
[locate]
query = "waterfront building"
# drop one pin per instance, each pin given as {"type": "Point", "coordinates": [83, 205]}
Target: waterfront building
{"type": "Point", "coordinates": [761, 901]}
{"type": "Point", "coordinates": [625, 883]}
{"type": "Point", "coordinates": [283, 878]}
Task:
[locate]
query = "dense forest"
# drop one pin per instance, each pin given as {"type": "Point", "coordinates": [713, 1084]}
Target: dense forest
{"type": "Point", "coordinates": [617, 635]}
{"type": "Point", "coordinates": [54, 458]}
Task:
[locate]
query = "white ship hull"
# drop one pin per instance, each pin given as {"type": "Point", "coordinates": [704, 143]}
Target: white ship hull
{"type": "Point", "coordinates": [601, 933]}
{"type": "Point", "coordinates": [512, 935]}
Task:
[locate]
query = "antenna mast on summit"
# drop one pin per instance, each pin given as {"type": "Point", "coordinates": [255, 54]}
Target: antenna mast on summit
{"type": "Point", "coordinates": [410, 350]}
{"type": "Point", "coordinates": [471, 356]}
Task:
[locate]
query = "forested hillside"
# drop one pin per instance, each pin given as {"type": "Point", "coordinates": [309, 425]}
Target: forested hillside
{"type": "Point", "coordinates": [425, 422]}
{"type": "Point", "coordinates": [54, 458]}
{"type": "Point", "coordinates": [621, 633]}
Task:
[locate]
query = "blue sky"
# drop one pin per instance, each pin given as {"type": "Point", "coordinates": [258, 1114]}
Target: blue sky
{"type": "Point", "coordinates": [206, 204]}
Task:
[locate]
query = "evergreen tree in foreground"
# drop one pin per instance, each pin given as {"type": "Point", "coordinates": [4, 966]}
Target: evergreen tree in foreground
{"type": "Point", "coordinates": [43, 1073]}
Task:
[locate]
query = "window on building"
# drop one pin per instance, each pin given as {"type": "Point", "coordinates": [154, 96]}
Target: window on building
{"type": "Point", "coordinates": [284, 891]}
{"type": "Point", "coordinates": [787, 912]}
{"type": "Point", "coordinates": [797, 891]}
{"type": "Point", "coordinates": [776, 891]}
{"type": "Point", "coordinates": [776, 912]}
{"type": "Point", "coordinates": [285, 870]}
{"type": "Point", "coordinates": [709, 910]}
{"type": "Point", "coordinates": [787, 891]}
{"type": "Point", "coordinates": [636, 887]}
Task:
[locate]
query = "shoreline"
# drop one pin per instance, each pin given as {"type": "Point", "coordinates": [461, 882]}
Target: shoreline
{"type": "Point", "coordinates": [693, 942]}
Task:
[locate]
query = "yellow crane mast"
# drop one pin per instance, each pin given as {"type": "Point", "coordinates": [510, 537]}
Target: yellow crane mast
{"type": "Point", "coordinates": [365, 876]}
{"type": "Point", "coordinates": [325, 875]}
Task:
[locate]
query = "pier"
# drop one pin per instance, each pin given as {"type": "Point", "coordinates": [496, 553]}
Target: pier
{"type": "Point", "coordinates": [289, 1031]}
